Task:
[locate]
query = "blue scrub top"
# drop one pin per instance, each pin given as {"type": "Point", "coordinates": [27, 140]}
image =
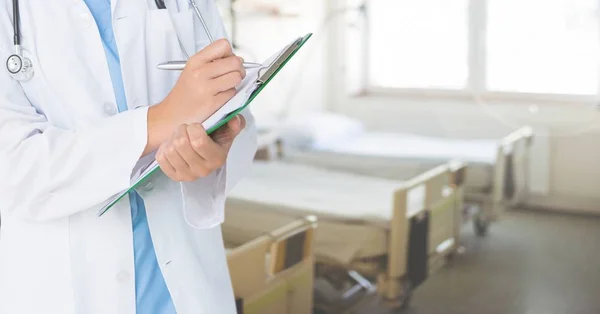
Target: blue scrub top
{"type": "Point", "coordinates": [152, 295]}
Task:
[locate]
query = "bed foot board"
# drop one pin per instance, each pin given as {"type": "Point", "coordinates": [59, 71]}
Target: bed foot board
{"type": "Point", "coordinates": [511, 172]}
{"type": "Point", "coordinates": [274, 273]}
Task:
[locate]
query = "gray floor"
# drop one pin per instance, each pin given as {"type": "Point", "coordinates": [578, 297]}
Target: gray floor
{"type": "Point", "coordinates": [530, 263]}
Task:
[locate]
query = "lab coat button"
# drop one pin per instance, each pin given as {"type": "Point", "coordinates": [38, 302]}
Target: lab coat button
{"type": "Point", "coordinates": [109, 109]}
{"type": "Point", "coordinates": [123, 276]}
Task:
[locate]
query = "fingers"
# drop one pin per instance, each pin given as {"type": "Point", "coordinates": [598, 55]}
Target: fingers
{"type": "Point", "coordinates": [179, 161]}
{"type": "Point", "coordinates": [213, 154]}
{"type": "Point", "coordinates": [165, 157]}
{"type": "Point", "coordinates": [196, 165]}
{"type": "Point", "coordinates": [226, 82]}
{"type": "Point", "coordinates": [223, 74]}
{"type": "Point", "coordinates": [164, 163]}
{"type": "Point", "coordinates": [225, 96]}
{"type": "Point", "coordinates": [182, 169]}
{"type": "Point", "coordinates": [192, 154]}
{"type": "Point", "coordinates": [217, 50]}
{"type": "Point", "coordinates": [227, 65]}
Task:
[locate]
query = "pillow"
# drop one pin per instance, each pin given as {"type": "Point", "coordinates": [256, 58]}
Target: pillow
{"type": "Point", "coordinates": [318, 129]}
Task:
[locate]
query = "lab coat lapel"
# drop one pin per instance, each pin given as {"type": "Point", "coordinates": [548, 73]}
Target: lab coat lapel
{"type": "Point", "coordinates": [113, 6]}
{"type": "Point", "coordinates": [66, 50]}
{"type": "Point", "coordinates": [129, 29]}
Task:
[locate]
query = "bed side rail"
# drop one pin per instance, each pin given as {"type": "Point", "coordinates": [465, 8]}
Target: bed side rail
{"type": "Point", "coordinates": [292, 245]}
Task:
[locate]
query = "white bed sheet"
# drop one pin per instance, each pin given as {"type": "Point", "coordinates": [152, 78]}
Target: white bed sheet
{"type": "Point", "coordinates": [479, 177]}
{"type": "Point", "coordinates": [411, 146]}
{"type": "Point", "coordinates": [307, 190]}
{"type": "Point", "coordinates": [399, 156]}
{"type": "Point", "coordinates": [335, 240]}
{"type": "Point", "coordinates": [353, 211]}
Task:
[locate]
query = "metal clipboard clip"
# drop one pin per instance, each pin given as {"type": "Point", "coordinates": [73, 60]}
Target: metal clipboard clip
{"type": "Point", "coordinates": [270, 70]}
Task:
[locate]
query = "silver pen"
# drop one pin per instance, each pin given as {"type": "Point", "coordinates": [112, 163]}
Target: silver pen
{"type": "Point", "coordinates": [179, 65]}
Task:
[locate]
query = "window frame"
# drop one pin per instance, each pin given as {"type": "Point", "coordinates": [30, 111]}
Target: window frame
{"type": "Point", "coordinates": [476, 82]}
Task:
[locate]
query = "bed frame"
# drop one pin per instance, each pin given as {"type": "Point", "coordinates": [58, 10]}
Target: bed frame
{"type": "Point", "coordinates": [510, 186]}
{"type": "Point", "coordinates": [510, 180]}
{"type": "Point", "coordinates": [273, 273]}
{"type": "Point", "coordinates": [420, 238]}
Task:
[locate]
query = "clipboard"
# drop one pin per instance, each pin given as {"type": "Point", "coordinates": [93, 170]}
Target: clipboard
{"type": "Point", "coordinates": [265, 75]}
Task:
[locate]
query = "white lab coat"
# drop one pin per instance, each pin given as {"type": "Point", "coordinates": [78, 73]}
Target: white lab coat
{"type": "Point", "coordinates": [64, 150]}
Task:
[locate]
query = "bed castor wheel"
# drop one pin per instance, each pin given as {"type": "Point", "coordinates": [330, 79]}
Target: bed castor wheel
{"type": "Point", "coordinates": [481, 226]}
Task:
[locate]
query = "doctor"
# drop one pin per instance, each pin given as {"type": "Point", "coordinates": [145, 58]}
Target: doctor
{"type": "Point", "coordinates": [94, 110]}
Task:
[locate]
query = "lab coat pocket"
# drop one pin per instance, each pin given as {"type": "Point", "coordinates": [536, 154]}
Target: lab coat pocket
{"type": "Point", "coordinates": [169, 36]}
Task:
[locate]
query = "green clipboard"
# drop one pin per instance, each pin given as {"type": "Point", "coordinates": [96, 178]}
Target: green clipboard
{"type": "Point", "coordinates": [263, 80]}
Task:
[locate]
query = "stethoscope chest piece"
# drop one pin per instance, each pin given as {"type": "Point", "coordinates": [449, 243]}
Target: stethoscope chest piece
{"type": "Point", "coordinates": [20, 68]}
{"type": "Point", "coordinates": [14, 64]}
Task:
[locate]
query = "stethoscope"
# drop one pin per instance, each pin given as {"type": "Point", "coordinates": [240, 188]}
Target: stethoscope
{"type": "Point", "coordinates": [21, 67]}
{"type": "Point", "coordinates": [18, 66]}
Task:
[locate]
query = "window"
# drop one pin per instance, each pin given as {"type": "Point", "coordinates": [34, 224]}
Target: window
{"type": "Point", "coordinates": [543, 46]}
{"type": "Point", "coordinates": [499, 46]}
{"type": "Point", "coordinates": [418, 43]}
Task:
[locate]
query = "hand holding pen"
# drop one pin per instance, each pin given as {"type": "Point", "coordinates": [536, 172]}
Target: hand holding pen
{"type": "Point", "coordinates": [206, 83]}
{"type": "Point", "coordinates": [179, 64]}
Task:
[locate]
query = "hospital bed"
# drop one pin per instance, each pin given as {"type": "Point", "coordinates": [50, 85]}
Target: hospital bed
{"type": "Point", "coordinates": [272, 272]}
{"type": "Point", "coordinates": [498, 168]}
{"type": "Point", "coordinates": [376, 237]}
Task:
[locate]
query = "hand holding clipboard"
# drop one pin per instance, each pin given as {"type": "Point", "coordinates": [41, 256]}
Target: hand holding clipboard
{"type": "Point", "coordinates": [256, 80]}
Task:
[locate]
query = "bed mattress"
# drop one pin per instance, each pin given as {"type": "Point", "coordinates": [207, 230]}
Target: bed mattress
{"type": "Point", "coordinates": [338, 241]}
{"type": "Point", "coordinates": [411, 146]}
{"type": "Point", "coordinates": [309, 190]}
{"type": "Point", "coordinates": [354, 211]}
{"type": "Point", "coordinates": [400, 156]}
